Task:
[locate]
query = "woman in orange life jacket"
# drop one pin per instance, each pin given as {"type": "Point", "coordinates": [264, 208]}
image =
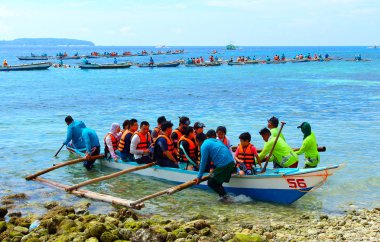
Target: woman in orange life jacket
{"type": "Point", "coordinates": [178, 132]}
{"type": "Point", "coordinates": [187, 150]}
{"type": "Point", "coordinates": [157, 130]}
{"type": "Point", "coordinates": [140, 144]}
{"type": "Point", "coordinates": [221, 132]}
{"type": "Point", "coordinates": [245, 155]}
{"type": "Point", "coordinates": [111, 141]}
{"type": "Point", "coordinates": [125, 141]}
{"type": "Point", "coordinates": [164, 152]}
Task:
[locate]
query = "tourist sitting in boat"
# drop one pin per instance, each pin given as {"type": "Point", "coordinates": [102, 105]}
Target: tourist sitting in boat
{"type": "Point", "coordinates": [214, 151]}
{"type": "Point", "coordinates": [320, 57]}
{"type": "Point", "coordinates": [283, 154]}
{"type": "Point", "coordinates": [276, 58]}
{"type": "Point", "coordinates": [283, 57]}
{"type": "Point", "coordinates": [91, 141]}
{"type": "Point", "coordinates": [164, 152]}
{"type": "Point", "coordinates": [124, 147]}
{"type": "Point", "coordinates": [198, 128]}
{"type": "Point", "coordinates": [326, 56]}
{"type": "Point", "coordinates": [189, 61]}
{"type": "Point", "coordinates": [358, 57]}
{"type": "Point", "coordinates": [309, 146]}
{"type": "Point", "coordinates": [115, 61]}
{"type": "Point", "coordinates": [221, 132]}
{"type": "Point", "coordinates": [111, 142]}
{"type": "Point", "coordinates": [238, 59]}
{"type": "Point", "coordinates": [301, 56]}
{"type": "Point", "coordinates": [273, 126]}
{"type": "Point", "coordinates": [315, 56]}
{"type": "Point", "coordinates": [85, 61]}
{"type": "Point", "coordinates": [74, 133]}
{"type": "Point", "coordinates": [268, 58]}
{"type": "Point", "coordinates": [60, 63]}
{"type": "Point", "coordinates": [151, 61]}
{"type": "Point", "coordinates": [202, 60]}
{"type": "Point", "coordinates": [245, 155]}
{"type": "Point", "coordinates": [187, 150]}
{"type": "Point", "coordinates": [5, 63]}
{"type": "Point", "coordinates": [140, 144]}
{"type": "Point", "coordinates": [184, 122]}
{"type": "Point", "coordinates": [212, 58]}
{"type": "Point", "coordinates": [125, 126]}
{"type": "Point", "coordinates": [157, 130]}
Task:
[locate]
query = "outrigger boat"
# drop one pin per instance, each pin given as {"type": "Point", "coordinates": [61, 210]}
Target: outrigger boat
{"type": "Point", "coordinates": [235, 63]}
{"type": "Point", "coordinates": [27, 67]}
{"type": "Point", "coordinates": [33, 57]}
{"type": "Point", "coordinates": [105, 66]}
{"type": "Point", "coordinates": [162, 64]}
{"type": "Point", "coordinates": [281, 185]}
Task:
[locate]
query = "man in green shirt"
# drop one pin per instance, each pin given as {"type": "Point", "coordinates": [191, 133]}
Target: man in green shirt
{"type": "Point", "coordinates": [283, 154]}
{"type": "Point", "coordinates": [309, 146]}
{"type": "Point", "coordinates": [273, 126]}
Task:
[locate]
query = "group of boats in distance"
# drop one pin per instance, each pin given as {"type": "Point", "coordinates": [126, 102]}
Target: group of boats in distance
{"type": "Point", "coordinates": [175, 63]}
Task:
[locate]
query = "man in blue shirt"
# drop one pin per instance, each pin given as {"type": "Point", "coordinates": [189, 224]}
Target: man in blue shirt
{"type": "Point", "coordinates": [215, 151]}
{"type": "Point", "coordinates": [74, 133]}
{"type": "Point", "coordinates": [91, 141]}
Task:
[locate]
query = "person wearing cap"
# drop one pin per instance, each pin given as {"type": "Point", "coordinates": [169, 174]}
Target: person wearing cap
{"type": "Point", "coordinates": [74, 133]}
{"type": "Point", "coordinates": [178, 132]}
{"type": "Point", "coordinates": [283, 154]}
{"type": "Point", "coordinates": [198, 128]}
{"type": "Point", "coordinates": [309, 146]}
{"type": "Point", "coordinates": [216, 151]}
{"type": "Point", "coordinates": [164, 152]}
{"type": "Point", "coordinates": [273, 126]}
{"type": "Point", "coordinates": [92, 146]}
{"type": "Point", "coordinates": [111, 141]}
{"type": "Point", "coordinates": [140, 144]}
{"type": "Point", "coordinates": [157, 130]}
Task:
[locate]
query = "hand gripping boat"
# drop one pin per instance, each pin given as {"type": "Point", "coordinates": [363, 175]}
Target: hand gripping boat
{"type": "Point", "coordinates": [283, 185]}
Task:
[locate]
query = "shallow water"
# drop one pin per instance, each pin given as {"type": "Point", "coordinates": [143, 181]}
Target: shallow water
{"type": "Point", "coordinates": [339, 99]}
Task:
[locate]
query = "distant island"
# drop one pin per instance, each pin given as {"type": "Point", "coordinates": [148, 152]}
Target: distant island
{"type": "Point", "coordinates": [45, 42]}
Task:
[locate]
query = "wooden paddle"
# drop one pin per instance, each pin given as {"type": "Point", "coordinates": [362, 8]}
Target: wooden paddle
{"type": "Point", "coordinates": [168, 191]}
{"type": "Point", "coordinates": [320, 149]}
{"type": "Point", "coordinates": [274, 145]}
{"type": "Point", "coordinates": [30, 177]}
{"type": "Point", "coordinates": [59, 150]}
{"type": "Point", "coordinates": [102, 178]}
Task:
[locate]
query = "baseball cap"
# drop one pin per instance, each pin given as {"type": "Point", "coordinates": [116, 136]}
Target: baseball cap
{"type": "Point", "coordinates": [184, 120]}
{"type": "Point", "coordinates": [198, 125]}
{"type": "Point", "coordinates": [298, 127]}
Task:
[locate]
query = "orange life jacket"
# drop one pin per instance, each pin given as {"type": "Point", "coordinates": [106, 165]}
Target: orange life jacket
{"type": "Point", "coordinates": [114, 140]}
{"type": "Point", "coordinates": [170, 145]}
{"type": "Point", "coordinates": [247, 156]}
{"type": "Point", "coordinates": [121, 146]}
{"type": "Point", "coordinates": [144, 141]}
{"type": "Point", "coordinates": [224, 141]}
{"type": "Point", "coordinates": [192, 149]}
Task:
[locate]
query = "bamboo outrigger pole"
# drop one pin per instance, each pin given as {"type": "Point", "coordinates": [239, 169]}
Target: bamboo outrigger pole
{"type": "Point", "coordinates": [102, 178]}
{"type": "Point", "coordinates": [93, 195]}
{"type": "Point", "coordinates": [169, 191]}
{"type": "Point", "coordinates": [30, 177]}
{"type": "Point", "coordinates": [274, 145]}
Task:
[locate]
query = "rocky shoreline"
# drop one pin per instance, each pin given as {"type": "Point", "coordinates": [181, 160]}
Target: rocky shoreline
{"type": "Point", "coordinates": [63, 224]}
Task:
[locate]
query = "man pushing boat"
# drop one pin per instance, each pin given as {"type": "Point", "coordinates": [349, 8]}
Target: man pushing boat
{"type": "Point", "coordinates": [215, 151]}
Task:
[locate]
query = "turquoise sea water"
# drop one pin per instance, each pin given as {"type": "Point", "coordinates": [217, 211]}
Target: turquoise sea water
{"type": "Point", "coordinates": [340, 99]}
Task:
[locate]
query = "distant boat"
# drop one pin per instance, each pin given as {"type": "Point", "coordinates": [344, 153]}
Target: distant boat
{"type": "Point", "coordinates": [75, 57]}
{"type": "Point", "coordinates": [235, 63]}
{"type": "Point", "coordinates": [373, 47]}
{"type": "Point", "coordinates": [299, 60]}
{"type": "Point", "coordinates": [162, 64]}
{"type": "Point", "coordinates": [231, 47]}
{"type": "Point", "coordinates": [32, 57]}
{"type": "Point", "coordinates": [105, 66]}
{"type": "Point", "coordinates": [27, 67]}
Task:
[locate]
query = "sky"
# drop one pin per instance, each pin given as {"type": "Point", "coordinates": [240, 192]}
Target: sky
{"type": "Point", "coordinates": [195, 22]}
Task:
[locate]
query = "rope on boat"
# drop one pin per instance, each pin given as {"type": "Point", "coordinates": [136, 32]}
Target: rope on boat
{"type": "Point", "coordinates": [325, 175]}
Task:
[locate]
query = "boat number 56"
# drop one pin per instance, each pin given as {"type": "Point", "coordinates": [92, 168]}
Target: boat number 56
{"type": "Point", "coordinates": [296, 183]}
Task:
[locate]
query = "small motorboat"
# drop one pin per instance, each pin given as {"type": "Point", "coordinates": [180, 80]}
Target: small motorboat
{"type": "Point", "coordinates": [27, 67]}
{"type": "Point", "coordinates": [105, 66]}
